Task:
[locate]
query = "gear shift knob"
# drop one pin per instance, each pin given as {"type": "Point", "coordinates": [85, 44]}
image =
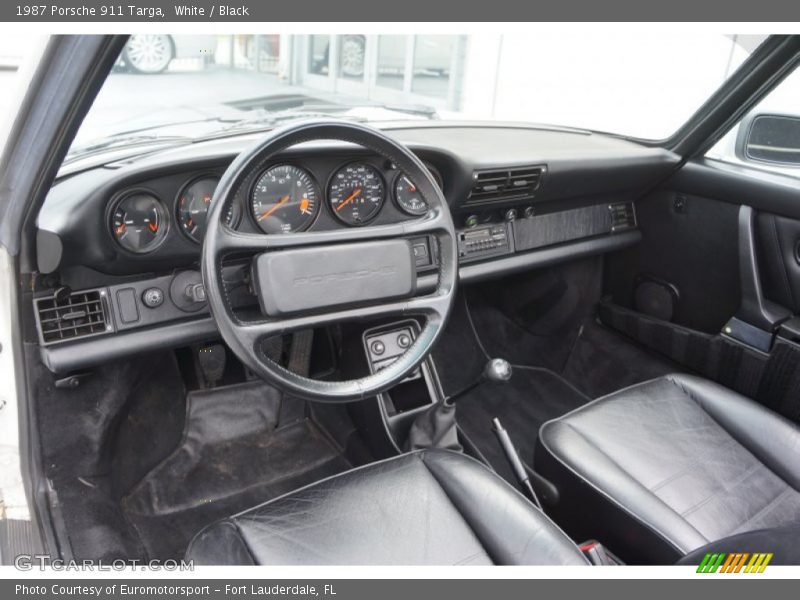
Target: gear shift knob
{"type": "Point", "coordinates": [498, 370]}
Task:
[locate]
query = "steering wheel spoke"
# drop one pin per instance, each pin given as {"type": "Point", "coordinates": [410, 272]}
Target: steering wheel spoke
{"type": "Point", "coordinates": [432, 306]}
{"type": "Point", "coordinates": [232, 242]}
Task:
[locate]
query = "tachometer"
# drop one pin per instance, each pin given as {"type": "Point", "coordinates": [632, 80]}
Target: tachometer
{"type": "Point", "coordinates": [408, 197]}
{"type": "Point", "coordinates": [139, 222]}
{"type": "Point", "coordinates": [285, 199]}
{"type": "Point", "coordinates": [193, 204]}
{"type": "Point", "coordinates": [356, 193]}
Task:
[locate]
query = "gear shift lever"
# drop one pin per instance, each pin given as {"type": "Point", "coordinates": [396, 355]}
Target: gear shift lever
{"type": "Point", "coordinates": [497, 370]}
{"type": "Point", "coordinates": [436, 426]}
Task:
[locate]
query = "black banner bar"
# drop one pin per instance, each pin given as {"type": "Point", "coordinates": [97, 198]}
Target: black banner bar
{"type": "Point", "coordinates": [155, 11]}
{"type": "Point", "coordinates": [743, 586]}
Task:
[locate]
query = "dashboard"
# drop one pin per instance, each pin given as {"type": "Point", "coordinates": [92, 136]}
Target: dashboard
{"type": "Point", "coordinates": [124, 236]}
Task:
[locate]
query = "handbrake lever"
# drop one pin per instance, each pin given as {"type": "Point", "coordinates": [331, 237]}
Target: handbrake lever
{"type": "Point", "coordinates": [513, 458]}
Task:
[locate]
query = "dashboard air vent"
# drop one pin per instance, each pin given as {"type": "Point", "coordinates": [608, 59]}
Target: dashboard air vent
{"type": "Point", "coordinates": [63, 317]}
{"type": "Point", "coordinates": [623, 216]}
{"type": "Point", "coordinates": [504, 185]}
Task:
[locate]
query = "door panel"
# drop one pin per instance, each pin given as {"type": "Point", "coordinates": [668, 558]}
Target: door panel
{"type": "Point", "coordinates": [689, 241]}
{"type": "Point", "coordinates": [692, 228]}
{"type": "Point", "coordinates": [778, 250]}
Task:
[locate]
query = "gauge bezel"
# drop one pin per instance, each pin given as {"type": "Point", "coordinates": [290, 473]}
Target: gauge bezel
{"type": "Point", "coordinates": [264, 171]}
{"type": "Point", "coordinates": [114, 204]}
{"type": "Point", "coordinates": [329, 204]}
{"type": "Point", "coordinates": [396, 201]}
{"type": "Point", "coordinates": [189, 182]}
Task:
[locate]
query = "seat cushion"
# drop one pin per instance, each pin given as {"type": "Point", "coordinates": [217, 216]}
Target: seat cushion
{"type": "Point", "coordinates": [664, 467]}
{"type": "Point", "coordinates": [431, 507]}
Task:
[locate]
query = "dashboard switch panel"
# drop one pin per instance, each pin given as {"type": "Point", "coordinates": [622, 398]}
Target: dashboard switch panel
{"type": "Point", "coordinates": [386, 345]}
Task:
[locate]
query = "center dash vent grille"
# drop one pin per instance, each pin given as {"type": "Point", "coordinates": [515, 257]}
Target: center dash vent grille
{"type": "Point", "coordinates": [77, 315]}
{"type": "Point", "coordinates": [504, 185]}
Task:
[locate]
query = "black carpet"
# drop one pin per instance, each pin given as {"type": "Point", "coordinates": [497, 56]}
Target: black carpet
{"type": "Point", "coordinates": [534, 318]}
{"type": "Point", "coordinates": [532, 397]}
{"type": "Point", "coordinates": [139, 400]}
{"type": "Point", "coordinates": [232, 458]}
{"type": "Point", "coordinates": [603, 361]}
{"type": "Point", "coordinates": [94, 522]}
{"type": "Point", "coordinates": [544, 323]}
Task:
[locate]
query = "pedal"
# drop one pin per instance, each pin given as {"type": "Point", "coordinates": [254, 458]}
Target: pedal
{"type": "Point", "coordinates": [300, 352]}
{"type": "Point", "coordinates": [212, 361]}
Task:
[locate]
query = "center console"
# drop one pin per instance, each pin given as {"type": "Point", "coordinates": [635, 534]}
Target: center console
{"type": "Point", "coordinates": [400, 405]}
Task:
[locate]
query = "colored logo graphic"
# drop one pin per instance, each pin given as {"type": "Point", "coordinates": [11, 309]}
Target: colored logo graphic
{"type": "Point", "coordinates": [737, 562]}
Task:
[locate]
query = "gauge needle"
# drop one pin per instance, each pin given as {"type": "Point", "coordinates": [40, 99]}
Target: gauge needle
{"type": "Point", "coordinates": [349, 199]}
{"type": "Point", "coordinates": [153, 227]}
{"type": "Point", "coordinates": [280, 203]}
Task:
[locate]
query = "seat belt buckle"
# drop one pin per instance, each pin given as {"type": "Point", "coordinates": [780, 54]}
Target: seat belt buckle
{"type": "Point", "coordinates": [597, 554]}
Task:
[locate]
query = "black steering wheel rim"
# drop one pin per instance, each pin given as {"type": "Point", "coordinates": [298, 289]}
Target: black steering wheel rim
{"type": "Point", "coordinates": [245, 338]}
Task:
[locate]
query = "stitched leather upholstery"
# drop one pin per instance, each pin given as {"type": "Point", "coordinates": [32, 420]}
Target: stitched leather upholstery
{"type": "Point", "coordinates": [664, 467]}
{"type": "Point", "coordinates": [430, 507]}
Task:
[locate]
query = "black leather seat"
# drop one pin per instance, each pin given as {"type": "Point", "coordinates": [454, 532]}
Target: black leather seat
{"type": "Point", "coordinates": [667, 466]}
{"type": "Point", "coordinates": [431, 507]}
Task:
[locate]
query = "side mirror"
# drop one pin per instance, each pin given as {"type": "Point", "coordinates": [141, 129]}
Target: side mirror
{"type": "Point", "coordinates": [773, 139]}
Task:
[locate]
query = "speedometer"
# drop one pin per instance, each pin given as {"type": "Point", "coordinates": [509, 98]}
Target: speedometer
{"type": "Point", "coordinates": [285, 199]}
{"type": "Point", "coordinates": [356, 193]}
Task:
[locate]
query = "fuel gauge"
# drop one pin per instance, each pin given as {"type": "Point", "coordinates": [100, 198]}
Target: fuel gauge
{"type": "Point", "coordinates": [408, 197]}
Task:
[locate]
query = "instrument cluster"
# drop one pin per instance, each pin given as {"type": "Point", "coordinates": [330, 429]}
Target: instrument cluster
{"type": "Point", "coordinates": [282, 198]}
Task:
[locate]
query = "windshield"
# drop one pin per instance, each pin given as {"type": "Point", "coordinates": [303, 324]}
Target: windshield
{"type": "Point", "coordinates": [172, 88]}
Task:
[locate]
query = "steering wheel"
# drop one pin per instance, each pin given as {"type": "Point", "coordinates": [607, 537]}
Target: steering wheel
{"type": "Point", "coordinates": [299, 279]}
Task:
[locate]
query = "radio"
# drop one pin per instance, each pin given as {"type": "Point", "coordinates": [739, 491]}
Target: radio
{"type": "Point", "coordinates": [483, 242]}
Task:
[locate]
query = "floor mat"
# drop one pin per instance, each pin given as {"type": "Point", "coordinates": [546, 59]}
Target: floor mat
{"type": "Point", "coordinates": [602, 361]}
{"type": "Point", "coordinates": [532, 397]}
{"type": "Point", "coordinates": [232, 457]}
